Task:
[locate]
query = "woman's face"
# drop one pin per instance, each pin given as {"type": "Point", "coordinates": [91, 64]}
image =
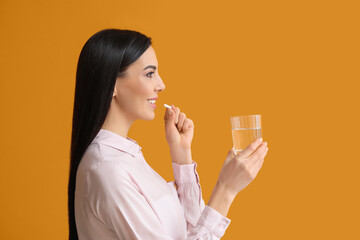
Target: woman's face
{"type": "Point", "coordinates": [140, 83]}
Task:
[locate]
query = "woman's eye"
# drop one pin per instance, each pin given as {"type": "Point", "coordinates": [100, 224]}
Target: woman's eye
{"type": "Point", "coordinates": [149, 74]}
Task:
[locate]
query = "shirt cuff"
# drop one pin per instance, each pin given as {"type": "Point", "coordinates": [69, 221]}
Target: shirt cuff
{"type": "Point", "coordinates": [214, 221]}
{"type": "Point", "coordinates": [185, 173]}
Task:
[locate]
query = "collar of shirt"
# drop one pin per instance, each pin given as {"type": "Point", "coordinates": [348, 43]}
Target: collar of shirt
{"type": "Point", "coordinates": [114, 140]}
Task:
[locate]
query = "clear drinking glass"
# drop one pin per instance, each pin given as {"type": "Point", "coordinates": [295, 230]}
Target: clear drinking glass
{"type": "Point", "coordinates": [245, 129]}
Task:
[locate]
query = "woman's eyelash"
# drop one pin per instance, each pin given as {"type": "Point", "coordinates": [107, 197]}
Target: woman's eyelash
{"type": "Point", "coordinates": [150, 73]}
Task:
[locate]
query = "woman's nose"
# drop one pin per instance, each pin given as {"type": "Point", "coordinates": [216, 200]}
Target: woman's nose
{"type": "Point", "coordinates": [160, 85]}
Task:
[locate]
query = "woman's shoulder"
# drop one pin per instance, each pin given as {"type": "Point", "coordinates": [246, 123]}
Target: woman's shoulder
{"type": "Point", "coordinates": [101, 166]}
{"type": "Point", "coordinates": [100, 159]}
{"type": "Point", "coordinates": [97, 154]}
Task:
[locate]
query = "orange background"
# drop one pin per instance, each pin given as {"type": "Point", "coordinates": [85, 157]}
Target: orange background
{"type": "Point", "coordinates": [294, 62]}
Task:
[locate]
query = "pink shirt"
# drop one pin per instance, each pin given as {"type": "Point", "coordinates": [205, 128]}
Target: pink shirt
{"type": "Point", "coordinates": [119, 196]}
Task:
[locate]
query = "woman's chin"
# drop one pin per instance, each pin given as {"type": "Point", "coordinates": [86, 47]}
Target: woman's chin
{"type": "Point", "coordinates": [149, 116]}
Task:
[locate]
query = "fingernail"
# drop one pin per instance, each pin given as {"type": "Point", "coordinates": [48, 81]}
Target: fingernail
{"type": "Point", "coordinates": [170, 112]}
{"type": "Point", "coordinates": [260, 140]}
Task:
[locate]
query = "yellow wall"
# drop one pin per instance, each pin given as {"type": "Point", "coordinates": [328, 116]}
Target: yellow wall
{"type": "Point", "coordinates": [294, 62]}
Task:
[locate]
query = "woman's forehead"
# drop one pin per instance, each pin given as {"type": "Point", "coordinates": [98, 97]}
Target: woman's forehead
{"type": "Point", "coordinates": [147, 58]}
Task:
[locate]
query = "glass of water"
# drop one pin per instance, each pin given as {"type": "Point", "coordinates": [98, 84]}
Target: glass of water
{"type": "Point", "coordinates": [245, 129]}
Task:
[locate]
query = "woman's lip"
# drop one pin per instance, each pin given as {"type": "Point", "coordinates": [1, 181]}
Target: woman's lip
{"type": "Point", "coordinates": [153, 105]}
{"type": "Point", "coordinates": [155, 98]}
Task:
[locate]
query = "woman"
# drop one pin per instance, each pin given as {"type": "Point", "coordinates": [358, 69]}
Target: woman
{"type": "Point", "coordinates": [113, 193]}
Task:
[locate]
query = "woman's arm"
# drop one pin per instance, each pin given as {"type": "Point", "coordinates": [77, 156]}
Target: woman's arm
{"type": "Point", "coordinates": [201, 220]}
{"type": "Point", "coordinates": [237, 172]}
{"type": "Point", "coordinates": [189, 191]}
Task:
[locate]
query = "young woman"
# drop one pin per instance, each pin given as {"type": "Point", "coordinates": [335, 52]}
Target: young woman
{"type": "Point", "coordinates": [113, 193]}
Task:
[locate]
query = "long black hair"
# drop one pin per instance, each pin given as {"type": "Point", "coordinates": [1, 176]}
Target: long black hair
{"type": "Point", "coordinates": [104, 57]}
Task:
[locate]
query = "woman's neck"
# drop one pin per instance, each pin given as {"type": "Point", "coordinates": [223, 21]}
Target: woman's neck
{"type": "Point", "coordinates": [117, 122]}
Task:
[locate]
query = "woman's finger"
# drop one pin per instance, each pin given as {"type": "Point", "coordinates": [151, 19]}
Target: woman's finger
{"type": "Point", "coordinates": [186, 125]}
{"type": "Point", "coordinates": [260, 163]}
{"type": "Point", "coordinates": [259, 151]}
{"type": "Point", "coordinates": [254, 163]}
{"type": "Point", "coordinates": [191, 123]}
{"type": "Point", "coordinates": [251, 161]}
{"type": "Point", "coordinates": [250, 149]}
{"type": "Point", "coordinates": [177, 112]}
{"type": "Point", "coordinates": [182, 118]}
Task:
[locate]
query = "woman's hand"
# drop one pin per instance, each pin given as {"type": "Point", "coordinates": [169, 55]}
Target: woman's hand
{"type": "Point", "coordinates": [236, 173]}
{"type": "Point", "coordinates": [179, 132]}
{"type": "Point", "coordinates": [240, 169]}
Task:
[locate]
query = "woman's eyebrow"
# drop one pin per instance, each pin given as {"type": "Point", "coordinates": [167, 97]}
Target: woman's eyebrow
{"type": "Point", "coordinates": [150, 66]}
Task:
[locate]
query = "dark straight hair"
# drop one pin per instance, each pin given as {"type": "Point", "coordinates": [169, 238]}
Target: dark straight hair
{"type": "Point", "coordinates": [104, 57]}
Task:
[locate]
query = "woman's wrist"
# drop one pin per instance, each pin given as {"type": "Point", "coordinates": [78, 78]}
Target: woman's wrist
{"type": "Point", "coordinates": [221, 199]}
{"type": "Point", "coordinates": [181, 156]}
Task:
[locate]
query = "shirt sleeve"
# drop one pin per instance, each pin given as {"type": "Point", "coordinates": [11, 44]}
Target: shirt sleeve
{"type": "Point", "coordinates": [203, 222]}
